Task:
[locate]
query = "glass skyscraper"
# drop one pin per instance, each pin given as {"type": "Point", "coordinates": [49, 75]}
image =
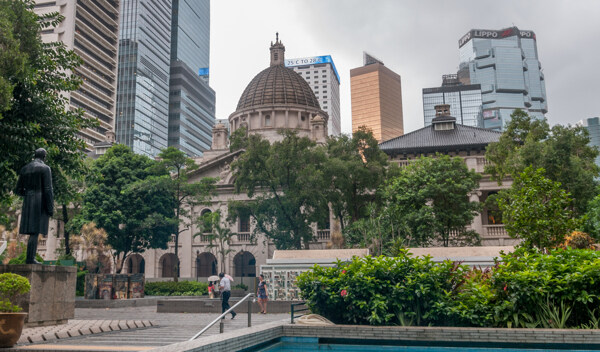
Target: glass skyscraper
{"type": "Point", "coordinates": [505, 63]}
{"type": "Point", "coordinates": [143, 79]}
{"type": "Point", "coordinates": [464, 101]}
{"type": "Point", "coordinates": [593, 127]}
{"type": "Point", "coordinates": [161, 98]}
{"type": "Point", "coordinates": [191, 100]}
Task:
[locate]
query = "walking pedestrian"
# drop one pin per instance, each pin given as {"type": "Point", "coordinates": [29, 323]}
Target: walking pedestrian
{"type": "Point", "coordinates": [262, 294]}
{"type": "Point", "coordinates": [225, 288]}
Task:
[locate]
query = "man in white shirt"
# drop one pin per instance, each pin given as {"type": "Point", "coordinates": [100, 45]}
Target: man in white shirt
{"type": "Point", "coordinates": [225, 288]}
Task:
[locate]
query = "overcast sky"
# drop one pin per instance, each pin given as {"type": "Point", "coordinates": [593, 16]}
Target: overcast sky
{"type": "Point", "coordinates": [416, 39]}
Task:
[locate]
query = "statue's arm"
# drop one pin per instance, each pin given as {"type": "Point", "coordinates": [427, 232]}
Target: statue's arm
{"type": "Point", "coordinates": [48, 193]}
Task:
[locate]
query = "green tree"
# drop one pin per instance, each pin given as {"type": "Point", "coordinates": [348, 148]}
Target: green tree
{"type": "Point", "coordinates": [284, 181]}
{"type": "Point", "coordinates": [429, 201]}
{"type": "Point", "coordinates": [219, 235]}
{"type": "Point", "coordinates": [537, 210]}
{"type": "Point", "coordinates": [130, 197]}
{"type": "Point", "coordinates": [562, 151]}
{"type": "Point", "coordinates": [355, 167]}
{"type": "Point", "coordinates": [185, 195]}
{"type": "Point", "coordinates": [591, 220]}
{"type": "Point", "coordinates": [35, 76]}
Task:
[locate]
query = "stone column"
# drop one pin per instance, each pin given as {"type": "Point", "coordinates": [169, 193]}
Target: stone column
{"type": "Point", "coordinates": [477, 223]}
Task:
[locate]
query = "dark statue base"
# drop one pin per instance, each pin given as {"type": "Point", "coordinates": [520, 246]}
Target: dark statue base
{"type": "Point", "coordinates": [52, 297]}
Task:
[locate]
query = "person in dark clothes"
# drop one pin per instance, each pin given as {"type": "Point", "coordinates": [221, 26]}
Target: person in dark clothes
{"type": "Point", "coordinates": [225, 288]}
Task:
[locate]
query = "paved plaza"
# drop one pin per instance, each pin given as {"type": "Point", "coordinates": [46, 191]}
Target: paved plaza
{"type": "Point", "coordinates": [129, 329]}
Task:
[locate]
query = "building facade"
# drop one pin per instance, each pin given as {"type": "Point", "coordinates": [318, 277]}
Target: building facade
{"type": "Point", "coordinates": [376, 94]}
{"type": "Point", "coordinates": [464, 100]}
{"type": "Point", "coordinates": [191, 100]}
{"type": "Point", "coordinates": [320, 73]}
{"type": "Point", "coordinates": [91, 29]}
{"type": "Point", "coordinates": [506, 65]}
{"type": "Point", "coordinates": [143, 80]}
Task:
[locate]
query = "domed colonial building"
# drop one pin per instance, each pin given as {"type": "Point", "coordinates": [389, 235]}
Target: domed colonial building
{"type": "Point", "coordinates": [277, 98]}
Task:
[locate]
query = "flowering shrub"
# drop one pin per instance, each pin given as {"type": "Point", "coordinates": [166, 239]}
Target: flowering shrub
{"type": "Point", "coordinates": [525, 289]}
{"type": "Point", "coordinates": [382, 290]}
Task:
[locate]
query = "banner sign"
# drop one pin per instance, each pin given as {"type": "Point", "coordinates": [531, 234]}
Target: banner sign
{"type": "Point", "coordinates": [492, 34]}
{"type": "Point", "coordinates": [315, 60]}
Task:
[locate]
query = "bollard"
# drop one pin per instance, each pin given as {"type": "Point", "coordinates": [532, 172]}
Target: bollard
{"type": "Point", "coordinates": [249, 313]}
{"type": "Point", "coordinates": [221, 326]}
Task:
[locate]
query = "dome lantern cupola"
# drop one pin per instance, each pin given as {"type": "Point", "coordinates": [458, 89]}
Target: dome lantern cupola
{"type": "Point", "coordinates": [277, 52]}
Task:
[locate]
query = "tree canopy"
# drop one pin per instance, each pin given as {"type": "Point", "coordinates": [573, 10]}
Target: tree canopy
{"type": "Point", "coordinates": [537, 210]}
{"type": "Point", "coordinates": [354, 169]}
{"type": "Point", "coordinates": [285, 182]}
{"type": "Point", "coordinates": [184, 195]}
{"type": "Point", "coordinates": [562, 151]}
{"type": "Point", "coordinates": [429, 202]}
{"type": "Point", "coordinates": [34, 78]}
{"type": "Point", "coordinates": [130, 197]}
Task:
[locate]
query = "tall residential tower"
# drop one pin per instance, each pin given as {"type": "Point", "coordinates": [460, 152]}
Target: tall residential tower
{"type": "Point", "coordinates": [323, 78]}
{"type": "Point", "coordinates": [505, 63]}
{"type": "Point", "coordinates": [91, 29]}
{"type": "Point", "coordinates": [376, 94]}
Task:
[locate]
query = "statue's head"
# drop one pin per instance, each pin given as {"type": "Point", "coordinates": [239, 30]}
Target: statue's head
{"type": "Point", "coordinates": [40, 153]}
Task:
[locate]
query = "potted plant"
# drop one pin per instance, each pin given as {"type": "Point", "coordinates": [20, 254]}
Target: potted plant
{"type": "Point", "coordinates": [11, 320]}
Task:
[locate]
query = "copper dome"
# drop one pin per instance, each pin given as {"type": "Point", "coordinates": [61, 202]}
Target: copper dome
{"type": "Point", "coordinates": [275, 85]}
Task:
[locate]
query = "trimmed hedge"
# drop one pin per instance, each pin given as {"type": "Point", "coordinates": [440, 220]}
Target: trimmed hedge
{"type": "Point", "coordinates": [525, 289]}
{"type": "Point", "coordinates": [181, 288]}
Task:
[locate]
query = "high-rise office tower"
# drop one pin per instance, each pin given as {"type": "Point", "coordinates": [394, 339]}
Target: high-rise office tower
{"type": "Point", "coordinates": [323, 78]}
{"type": "Point", "coordinates": [143, 81]}
{"type": "Point", "coordinates": [593, 127]}
{"type": "Point", "coordinates": [91, 29]}
{"type": "Point", "coordinates": [505, 63]}
{"type": "Point", "coordinates": [191, 100]}
{"type": "Point", "coordinates": [376, 94]}
{"type": "Point", "coordinates": [163, 94]}
{"type": "Point", "coordinates": [464, 101]}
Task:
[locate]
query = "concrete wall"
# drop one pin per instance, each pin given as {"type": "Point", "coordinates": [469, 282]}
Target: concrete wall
{"type": "Point", "coordinates": [52, 296]}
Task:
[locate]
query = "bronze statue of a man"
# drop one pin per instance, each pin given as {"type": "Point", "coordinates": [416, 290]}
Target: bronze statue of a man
{"type": "Point", "coordinates": [35, 185]}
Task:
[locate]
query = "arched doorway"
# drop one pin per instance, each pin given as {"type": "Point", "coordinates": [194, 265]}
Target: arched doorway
{"type": "Point", "coordinates": [245, 264]}
{"type": "Point", "coordinates": [136, 264]}
{"type": "Point", "coordinates": [167, 265]}
{"type": "Point", "coordinates": [206, 265]}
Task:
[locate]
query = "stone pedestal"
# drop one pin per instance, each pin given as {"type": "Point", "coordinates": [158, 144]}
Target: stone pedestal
{"type": "Point", "coordinates": [52, 296]}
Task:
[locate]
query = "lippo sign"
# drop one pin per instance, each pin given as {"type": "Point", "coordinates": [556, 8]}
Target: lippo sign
{"type": "Point", "coordinates": [491, 34]}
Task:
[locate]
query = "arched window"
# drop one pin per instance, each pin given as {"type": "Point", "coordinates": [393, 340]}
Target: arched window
{"type": "Point", "coordinates": [267, 120]}
{"type": "Point", "coordinates": [167, 265]}
{"type": "Point", "coordinates": [202, 213]}
{"type": "Point", "coordinates": [136, 264]}
{"type": "Point", "coordinates": [245, 264]}
{"type": "Point", "coordinates": [206, 265]}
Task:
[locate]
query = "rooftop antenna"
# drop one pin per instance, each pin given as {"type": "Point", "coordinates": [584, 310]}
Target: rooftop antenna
{"type": "Point", "coordinates": [276, 36]}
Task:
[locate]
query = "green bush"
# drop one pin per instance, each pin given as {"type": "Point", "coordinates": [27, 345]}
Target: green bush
{"type": "Point", "coordinates": [80, 285]}
{"type": "Point", "coordinates": [382, 290]}
{"type": "Point", "coordinates": [525, 289]}
{"type": "Point", "coordinates": [181, 288]}
{"type": "Point", "coordinates": [240, 287]}
{"type": "Point", "coordinates": [11, 286]}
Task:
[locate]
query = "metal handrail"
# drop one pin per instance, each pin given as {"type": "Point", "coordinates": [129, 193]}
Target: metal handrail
{"type": "Point", "coordinates": [225, 313]}
{"type": "Point", "coordinates": [294, 310]}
